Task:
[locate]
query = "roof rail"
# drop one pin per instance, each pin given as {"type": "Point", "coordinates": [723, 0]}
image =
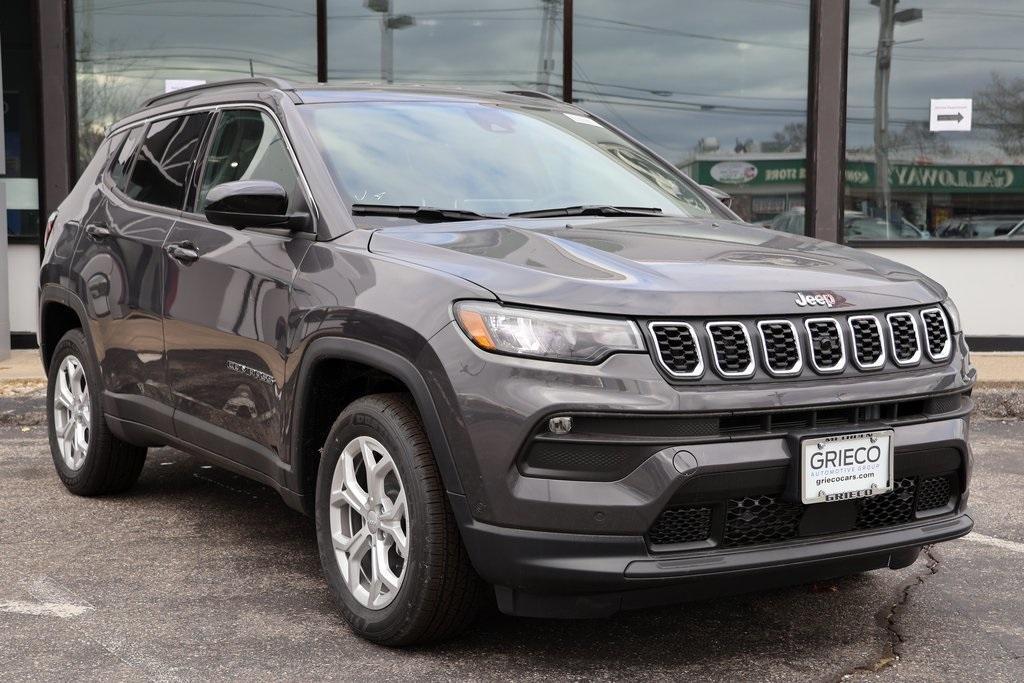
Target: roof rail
{"type": "Point", "coordinates": [268, 81]}
{"type": "Point", "coordinates": [532, 93]}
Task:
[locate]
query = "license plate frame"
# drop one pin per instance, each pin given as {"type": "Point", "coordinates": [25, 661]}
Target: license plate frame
{"type": "Point", "coordinates": [849, 462]}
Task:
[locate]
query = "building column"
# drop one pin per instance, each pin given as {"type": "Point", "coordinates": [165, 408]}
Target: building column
{"type": "Point", "coordinates": [55, 41]}
{"type": "Point", "coordinates": [826, 118]}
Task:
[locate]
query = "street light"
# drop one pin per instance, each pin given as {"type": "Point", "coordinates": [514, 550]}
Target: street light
{"type": "Point", "coordinates": [389, 23]}
{"type": "Point", "coordinates": [888, 18]}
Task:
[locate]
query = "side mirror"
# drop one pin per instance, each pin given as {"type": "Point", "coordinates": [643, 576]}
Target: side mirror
{"type": "Point", "coordinates": [723, 197]}
{"type": "Point", "coordinates": [252, 204]}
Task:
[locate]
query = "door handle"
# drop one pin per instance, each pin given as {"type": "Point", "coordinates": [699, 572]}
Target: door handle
{"type": "Point", "coordinates": [183, 252]}
{"type": "Point", "coordinates": [97, 231]}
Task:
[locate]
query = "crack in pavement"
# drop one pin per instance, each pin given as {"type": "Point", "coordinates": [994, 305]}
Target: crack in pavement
{"type": "Point", "coordinates": [889, 619]}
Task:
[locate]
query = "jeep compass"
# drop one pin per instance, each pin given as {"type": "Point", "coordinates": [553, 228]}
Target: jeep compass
{"type": "Point", "coordinates": [495, 348]}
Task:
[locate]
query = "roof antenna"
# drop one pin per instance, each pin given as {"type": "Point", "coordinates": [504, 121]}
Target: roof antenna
{"type": "Point", "coordinates": [252, 74]}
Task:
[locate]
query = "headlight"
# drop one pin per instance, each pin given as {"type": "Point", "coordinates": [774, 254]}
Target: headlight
{"type": "Point", "coordinates": [540, 334]}
{"type": "Point", "coordinates": [953, 313]}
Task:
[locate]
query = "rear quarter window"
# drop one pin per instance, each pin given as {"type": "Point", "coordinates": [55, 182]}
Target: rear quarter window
{"type": "Point", "coordinates": [165, 155]}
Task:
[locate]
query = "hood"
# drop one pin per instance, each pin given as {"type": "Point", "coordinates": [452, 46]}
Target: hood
{"type": "Point", "coordinates": [656, 267]}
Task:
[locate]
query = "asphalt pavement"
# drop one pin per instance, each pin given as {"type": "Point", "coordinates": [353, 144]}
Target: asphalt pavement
{"type": "Point", "coordinates": [198, 574]}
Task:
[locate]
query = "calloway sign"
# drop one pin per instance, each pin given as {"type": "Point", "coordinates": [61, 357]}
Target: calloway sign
{"type": "Point", "coordinates": [902, 177]}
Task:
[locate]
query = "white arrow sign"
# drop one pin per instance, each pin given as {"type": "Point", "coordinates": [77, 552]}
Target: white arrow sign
{"type": "Point", "coordinates": [951, 115]}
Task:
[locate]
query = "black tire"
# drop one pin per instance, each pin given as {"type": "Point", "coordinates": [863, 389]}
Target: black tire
{"type": "Point", "coordinates": [441, 593]}
{"type": "Point", "coordinates": [110, 465]}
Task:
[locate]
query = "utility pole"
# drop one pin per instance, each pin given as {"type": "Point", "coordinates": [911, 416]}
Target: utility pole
{"type": "Point", "coordinates": [546, 57]}
{"type": "Point", "coordinates": [888, 17]}
{"type": "Point", "coordinates": [389, 23]}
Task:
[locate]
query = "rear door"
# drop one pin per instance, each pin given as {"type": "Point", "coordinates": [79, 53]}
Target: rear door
{"type": "Point", "coordinates": [119, 264]}
{"type": "Point", "coordinates": [228, 297]}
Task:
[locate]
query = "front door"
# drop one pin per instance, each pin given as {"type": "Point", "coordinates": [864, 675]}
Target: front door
{"type": "Point", "coordinates": [227, 300]}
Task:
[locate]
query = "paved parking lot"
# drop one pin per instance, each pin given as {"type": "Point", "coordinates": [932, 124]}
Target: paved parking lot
{"type": "Point", "coordinates": [199, 574]}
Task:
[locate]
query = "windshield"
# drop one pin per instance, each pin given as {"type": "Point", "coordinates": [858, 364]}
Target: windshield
{"type": "Point", "coordinates": [489, 159]}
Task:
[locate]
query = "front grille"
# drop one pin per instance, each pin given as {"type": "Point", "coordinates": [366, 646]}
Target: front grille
{"type": "Point", "coordinates": [839, 344]}
{"type": "Point", "coordinates": [895, 507]}
{"type": "Point", "coordinates": [828, 352]}
{"type": "Point", "coordinates": [934, 493]}
{"type": "Point", "coordinates": [730, 346]}
{"type": "Point", "coordinates": [753, 520]}
{"type": "Point", "coordinates": [681, 525]}
{"type": "Point", "coordinates": [936, 334]}
{"type": "Point", "coordinates": [678, 349]}
{"type": "Point", "coordinates": [868, 347]}
{"type": "Point", "coordinates": [781, 347]}
{"type": "Point", "coordinates": [761, 519]}
{"type": "Point", "coordinates": [906, 347]}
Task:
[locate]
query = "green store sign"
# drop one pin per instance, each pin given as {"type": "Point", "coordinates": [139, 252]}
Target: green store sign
{"type": "Point", "coordinates": [859, 174]}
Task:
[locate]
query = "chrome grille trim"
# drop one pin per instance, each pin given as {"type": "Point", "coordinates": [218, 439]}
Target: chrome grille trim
{"type": "Point", "coordinates": [798, 366]}
{"type": "Point", "coordinates": [699, 370]}
{"type": "Point", "coordinates": [840, 365]}
{"type": "Point", "coordinates": [747, 371]}
{"type": "Point", "coordinates": [916, 358]}
{"type": "Point", "coordinates": [881, 341]}
{"type": "Point", "coordinates": [947, 348]}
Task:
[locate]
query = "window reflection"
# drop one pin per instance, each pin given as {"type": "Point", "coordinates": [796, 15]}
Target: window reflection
{"type": "Point", "coordinates": [921, 162]}
{"type": "Point", "coordinates": [718, 89]}
{"type": "Point", "coordinates": [128, 51]}
{"type": "Point", "coordinates": [490, 44]}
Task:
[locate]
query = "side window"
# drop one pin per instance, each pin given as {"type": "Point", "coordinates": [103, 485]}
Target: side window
{"type": "Point", "coordinates": [248, 146]}
{"type": "Point", "coordinates": [122, 162]}
{"type": "Point", "coordinates": [161, 166]}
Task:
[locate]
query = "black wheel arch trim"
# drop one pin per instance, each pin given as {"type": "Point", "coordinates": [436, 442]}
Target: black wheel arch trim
{"type": "Point", "coordinates": [55, 294]}
{"type": "Point", "coordinates": [358, 351]}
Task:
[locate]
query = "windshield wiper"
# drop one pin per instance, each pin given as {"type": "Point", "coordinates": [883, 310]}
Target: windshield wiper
{"type": "Point", "coordinates": [420, 214]}
{"type": "Point", "coordinates": [589, 210]}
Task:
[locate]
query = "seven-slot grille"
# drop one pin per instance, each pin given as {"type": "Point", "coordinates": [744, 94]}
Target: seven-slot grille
{"type": "Point", "coordinates": [906, 344]}
{"type": "Point", "coordinates": [781, 347]}
{"type": "Point", "coordinates": [730, 348]}
{"type": "Point", "coordinates": [936, 334]}
{"type": "Point", "coordinates": [828, 350]}
{"type": "Point", "coordinates": [829, 344]}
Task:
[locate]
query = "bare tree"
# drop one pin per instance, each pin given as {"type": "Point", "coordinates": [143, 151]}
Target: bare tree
{"type": "Point", "coordinates": [915, 137]}
{"type": "Point", "coordinates": [1000, 107]}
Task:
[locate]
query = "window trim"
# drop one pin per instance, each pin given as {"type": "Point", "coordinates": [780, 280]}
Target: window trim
{"type": "Point", "coordinates": [214, 109]}
{"type": "Point", "coordinates": [199, 171]}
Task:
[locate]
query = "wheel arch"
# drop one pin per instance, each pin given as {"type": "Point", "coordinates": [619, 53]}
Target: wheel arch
{"type": "Point", "coordinates": [60, 311]}
{"type": "Point", "coordinates": [324, 350]}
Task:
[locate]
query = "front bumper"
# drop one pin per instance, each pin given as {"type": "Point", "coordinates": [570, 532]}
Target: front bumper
{"type": "Point", "coordinates": [556, 544]}
{"type": "Point", "coordinates": [546, 574]}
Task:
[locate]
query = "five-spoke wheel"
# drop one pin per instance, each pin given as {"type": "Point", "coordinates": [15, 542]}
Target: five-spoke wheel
{"type": "Point", "coordinates": [72, 412]}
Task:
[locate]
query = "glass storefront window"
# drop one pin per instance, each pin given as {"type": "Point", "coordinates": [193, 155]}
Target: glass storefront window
{"type": "Point", "coordinates": [485, 44]}
{"type": "Point", "coordinates": [719, 89]}
{"type": "Point", "coordinates": [935, 135]}
{"type": "Point", "coordinates": [128, 51]}
{"type": "Point", "coordinates": [19, 172]}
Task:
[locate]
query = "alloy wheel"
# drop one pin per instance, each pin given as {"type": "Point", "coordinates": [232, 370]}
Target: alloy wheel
{"type": "Point", "coordinates": [369, 522]}
{"type": "Point", "coordinates": [72, 412]}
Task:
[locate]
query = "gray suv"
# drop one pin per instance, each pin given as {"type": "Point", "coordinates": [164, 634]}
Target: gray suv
{"type": "Point", "coordinates": [495, 348]}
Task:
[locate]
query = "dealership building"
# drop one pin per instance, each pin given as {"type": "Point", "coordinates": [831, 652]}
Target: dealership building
{"type": "Point", "coordinates": [894, 128]}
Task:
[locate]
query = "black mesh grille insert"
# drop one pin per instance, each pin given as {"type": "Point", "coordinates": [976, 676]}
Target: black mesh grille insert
{"type": "Point", "coordinates": [826, 344]}
{"type": "Point", "coordinates": [895, 507]}
{"type": "Point", "coordinates": [867, 341]}
{"type": "Point", "coordinates": [731, 348]}
{"type": "Point", "coordinates": [934, 493]}
{"type": "Point", "coordinates": [935, 333]}
{"type": "Point", "coordinates": [678, 349]}
{"type": "Point", "coordinates": [681, 525]}
{"type": "Point", "coordinates": [781, 348]}
{"type": "Point", "coordinates": [904, 337]}
{"type": "Point", "coordinates": [760, 519]}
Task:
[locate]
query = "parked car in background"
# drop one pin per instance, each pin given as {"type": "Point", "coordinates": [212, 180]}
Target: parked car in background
{"type": "Point", "coordinates": [978, 227]}
{"type": "Point", "coordinates": [856, 226]}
